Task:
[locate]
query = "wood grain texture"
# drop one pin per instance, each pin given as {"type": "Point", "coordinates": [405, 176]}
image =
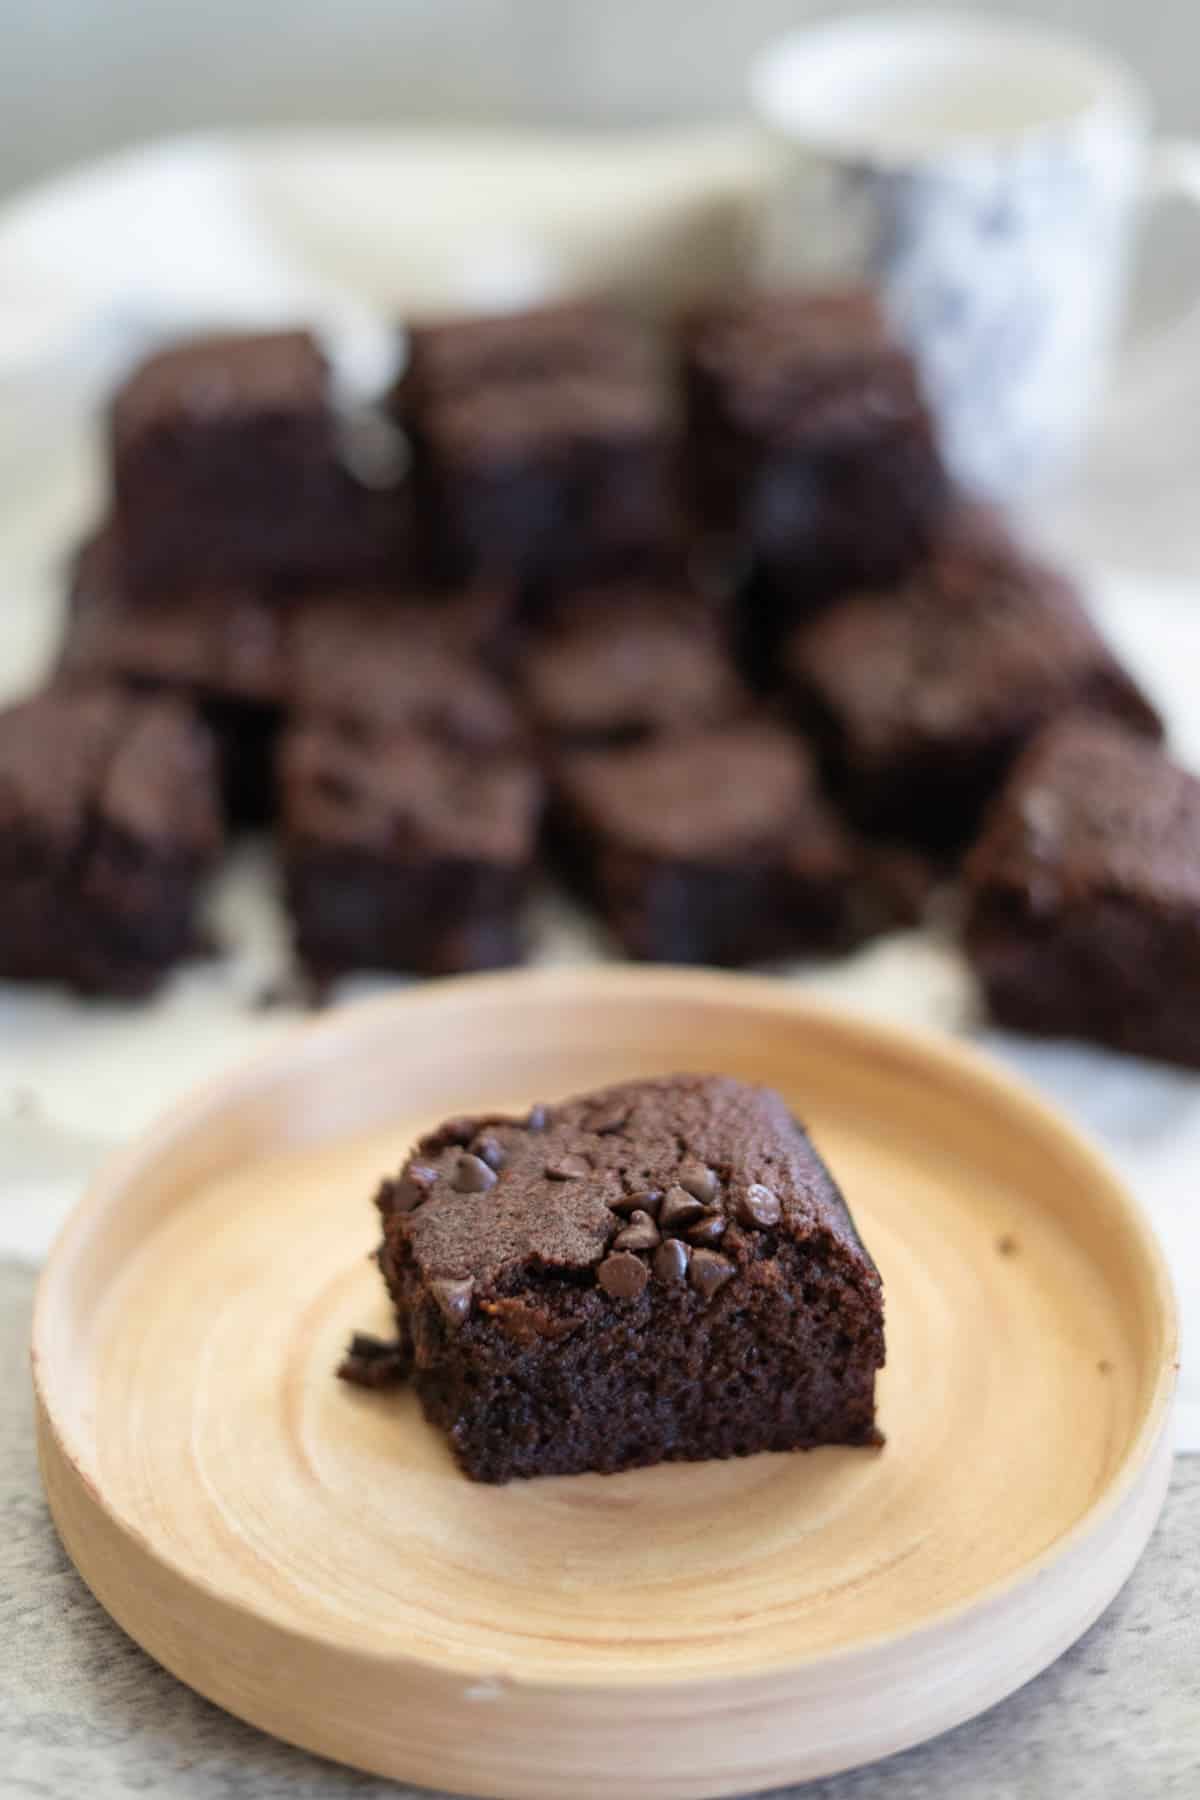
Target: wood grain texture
{"type": "Point", "coordinates": [309, 1557]}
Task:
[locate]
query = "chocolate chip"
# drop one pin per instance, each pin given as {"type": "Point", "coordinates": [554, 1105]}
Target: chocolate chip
{"type": "Point", "coordinates": [454, 1298]}
{"type": "Point", "coordinates": [622, 1275]}
{"type": "Point", "coordinates": [707, 1272]}
{"type": "Point", "coordinates": [537, 1118]}
{"type": "Point", "coordinates": [709, 1230]}
{"type": "Point", "coordinates": [641, 1233]}
{"type": "Point", "coordinates": [679, 1209]}
{"type": "Point", "coordinates": [671, 1260]}
{"type": "Point", "coordinates": [568, 1168]}
{"type": "Point", "coordinates": [472, 1175]}
{"type": "Point", "coordinates": [700, 1180]}
{"type": "Point", "coordinates": [491, 1150]}
{"type": "Point", "coordinates": [410, 1189]}
{"type": "Point", "coordinates": [608, 1118]}
{"type": "Point", "coordinates": [649, 1200]}
{"type": "Point", "coordinates": [758, 1207]}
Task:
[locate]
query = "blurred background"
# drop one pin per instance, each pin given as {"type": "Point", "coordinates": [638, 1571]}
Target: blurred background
{"type": "Point", "coordinates": [82, 76]}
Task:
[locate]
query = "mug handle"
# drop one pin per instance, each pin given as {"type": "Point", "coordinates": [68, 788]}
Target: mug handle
{"type": "Point", "coordinates": [1151, 361]}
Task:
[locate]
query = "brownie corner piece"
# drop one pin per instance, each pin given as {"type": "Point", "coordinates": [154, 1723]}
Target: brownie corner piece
{"type": "Point", "coordinates": [923, 694]}
{"type": "Point", "coordinates": [717, 847]}
{"type": "Point", "coordinates": [661, 1271]}
{"type": "Point", "coordinates": [1083, 894]}
{"type": "Point", "coordinates": [405, 849]}
{"type": "Point", "coordinates": [109, 821]}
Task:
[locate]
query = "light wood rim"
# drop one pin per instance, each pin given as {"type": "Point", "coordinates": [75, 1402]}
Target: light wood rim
{"type": "Point", "coordinates": [119, 1561]}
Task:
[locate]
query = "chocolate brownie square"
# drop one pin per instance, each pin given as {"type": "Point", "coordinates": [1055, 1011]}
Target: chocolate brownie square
{"type": "Point", "coordinates": [541, 443]}
{"type": "Point", "coordinates": [109, 821]}
{"type": "Point", "coordinates": [809, 443]}
{"type": "Point", "coordinates": [662, 1271]}
{"type": "Point", "coordinates": [622, 664]}
{"type": "Point", "coordinates": [1083, 894]}
{"type": "Point", "coordinates": [923, 694]}
{"type": "Point", "coordinates": [411, 845]}
{"type": "Point", "coordinates": [715, 847]}
{"type": "Point", "coordinates": [247, 661]}
{"type": "Point", "coordinates": [214, 640]}
{"type": "Point", "coordinates": [227, 465]}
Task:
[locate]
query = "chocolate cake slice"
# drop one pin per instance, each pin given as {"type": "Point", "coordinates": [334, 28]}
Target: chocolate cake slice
{"type": "Point", "coordinates": [662, 1271]}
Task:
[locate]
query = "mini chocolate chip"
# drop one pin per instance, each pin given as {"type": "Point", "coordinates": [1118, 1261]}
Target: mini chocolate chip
{"type": "Point", "coordinates": [608, 1118]}
{"type": "Point", "coordinates": [678, 1209]}
{"type": "Point", "coordinates": [568, 1168]}
{"type": "Point", "coordinates": [700, 1180]}
{"type": "Point", "coordinates": [671, 1260]}
{"type": "Point", "coordinates": [709, 1230]}
{"type": "Point", "coordinates": [622, 1275]}
{"type": "Point", "coordinates": [707, 1272]}
{"type": "Point", "coordinates": [454, 1298]}
{"type": "Point", "coordinates": [758, 1207]}
{"type": "Point", "coordinates": [649, 1200]}
{"type": "Point", "coordinates": [410, 1189]}
{"type": "Point", "coordinates": [537, 1118]}
{"type": "Point", "coordinates": [641, 1233]}
{"type": "Point", "coordinates": [472, 1175]}
{"type": "Point", "coordinates": [491, 1150]}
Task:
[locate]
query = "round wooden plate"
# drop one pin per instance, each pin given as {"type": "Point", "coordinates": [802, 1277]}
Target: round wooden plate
{"type": "Point", "coordinates": [308, 1556]}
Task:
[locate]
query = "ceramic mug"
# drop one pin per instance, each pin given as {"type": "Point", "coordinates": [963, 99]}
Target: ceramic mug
{"type": "Point", "coordinates": [987, 177]}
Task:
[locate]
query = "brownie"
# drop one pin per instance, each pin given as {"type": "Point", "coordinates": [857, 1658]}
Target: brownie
{"type": "Point", "coordinates": [246, 660]}
{"type": "Point", "coordinates": [227, 464]}
{"type": "Point", "coordinates": [923, 694]}
{"type": "Point", "coordinates": [620, 665]}
{"type": "Point", "coordinates": [541, 444]}
{"type": "Point", "coordinates": [1083, 894]}
{"type": "Point", "coordinates": [809, 443]}
{"type": "Point", "coordinates": [406, 849]}
{"type": "Point", "coordinates": [662, 1271]}
{"type": "Point", "coordinates": [219, 640]}
{"type": "Point", "coordinates": [716, 847]}
{"type": "Point", "coordinates": [109, 821]}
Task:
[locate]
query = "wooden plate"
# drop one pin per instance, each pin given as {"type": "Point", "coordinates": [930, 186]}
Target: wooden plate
{"type": "Point", "coordinates": [308, 1556]}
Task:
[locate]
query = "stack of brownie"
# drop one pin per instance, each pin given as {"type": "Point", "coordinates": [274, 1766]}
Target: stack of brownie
{"type": "Point", "coordinates": [694, 620]}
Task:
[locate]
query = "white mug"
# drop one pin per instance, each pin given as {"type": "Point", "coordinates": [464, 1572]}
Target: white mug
{"type": "Point", "coordinates": [986, 176]}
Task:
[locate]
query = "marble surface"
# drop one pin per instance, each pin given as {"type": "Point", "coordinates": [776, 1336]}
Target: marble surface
{"type": "Point", "coordinates": [83, 1711]}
